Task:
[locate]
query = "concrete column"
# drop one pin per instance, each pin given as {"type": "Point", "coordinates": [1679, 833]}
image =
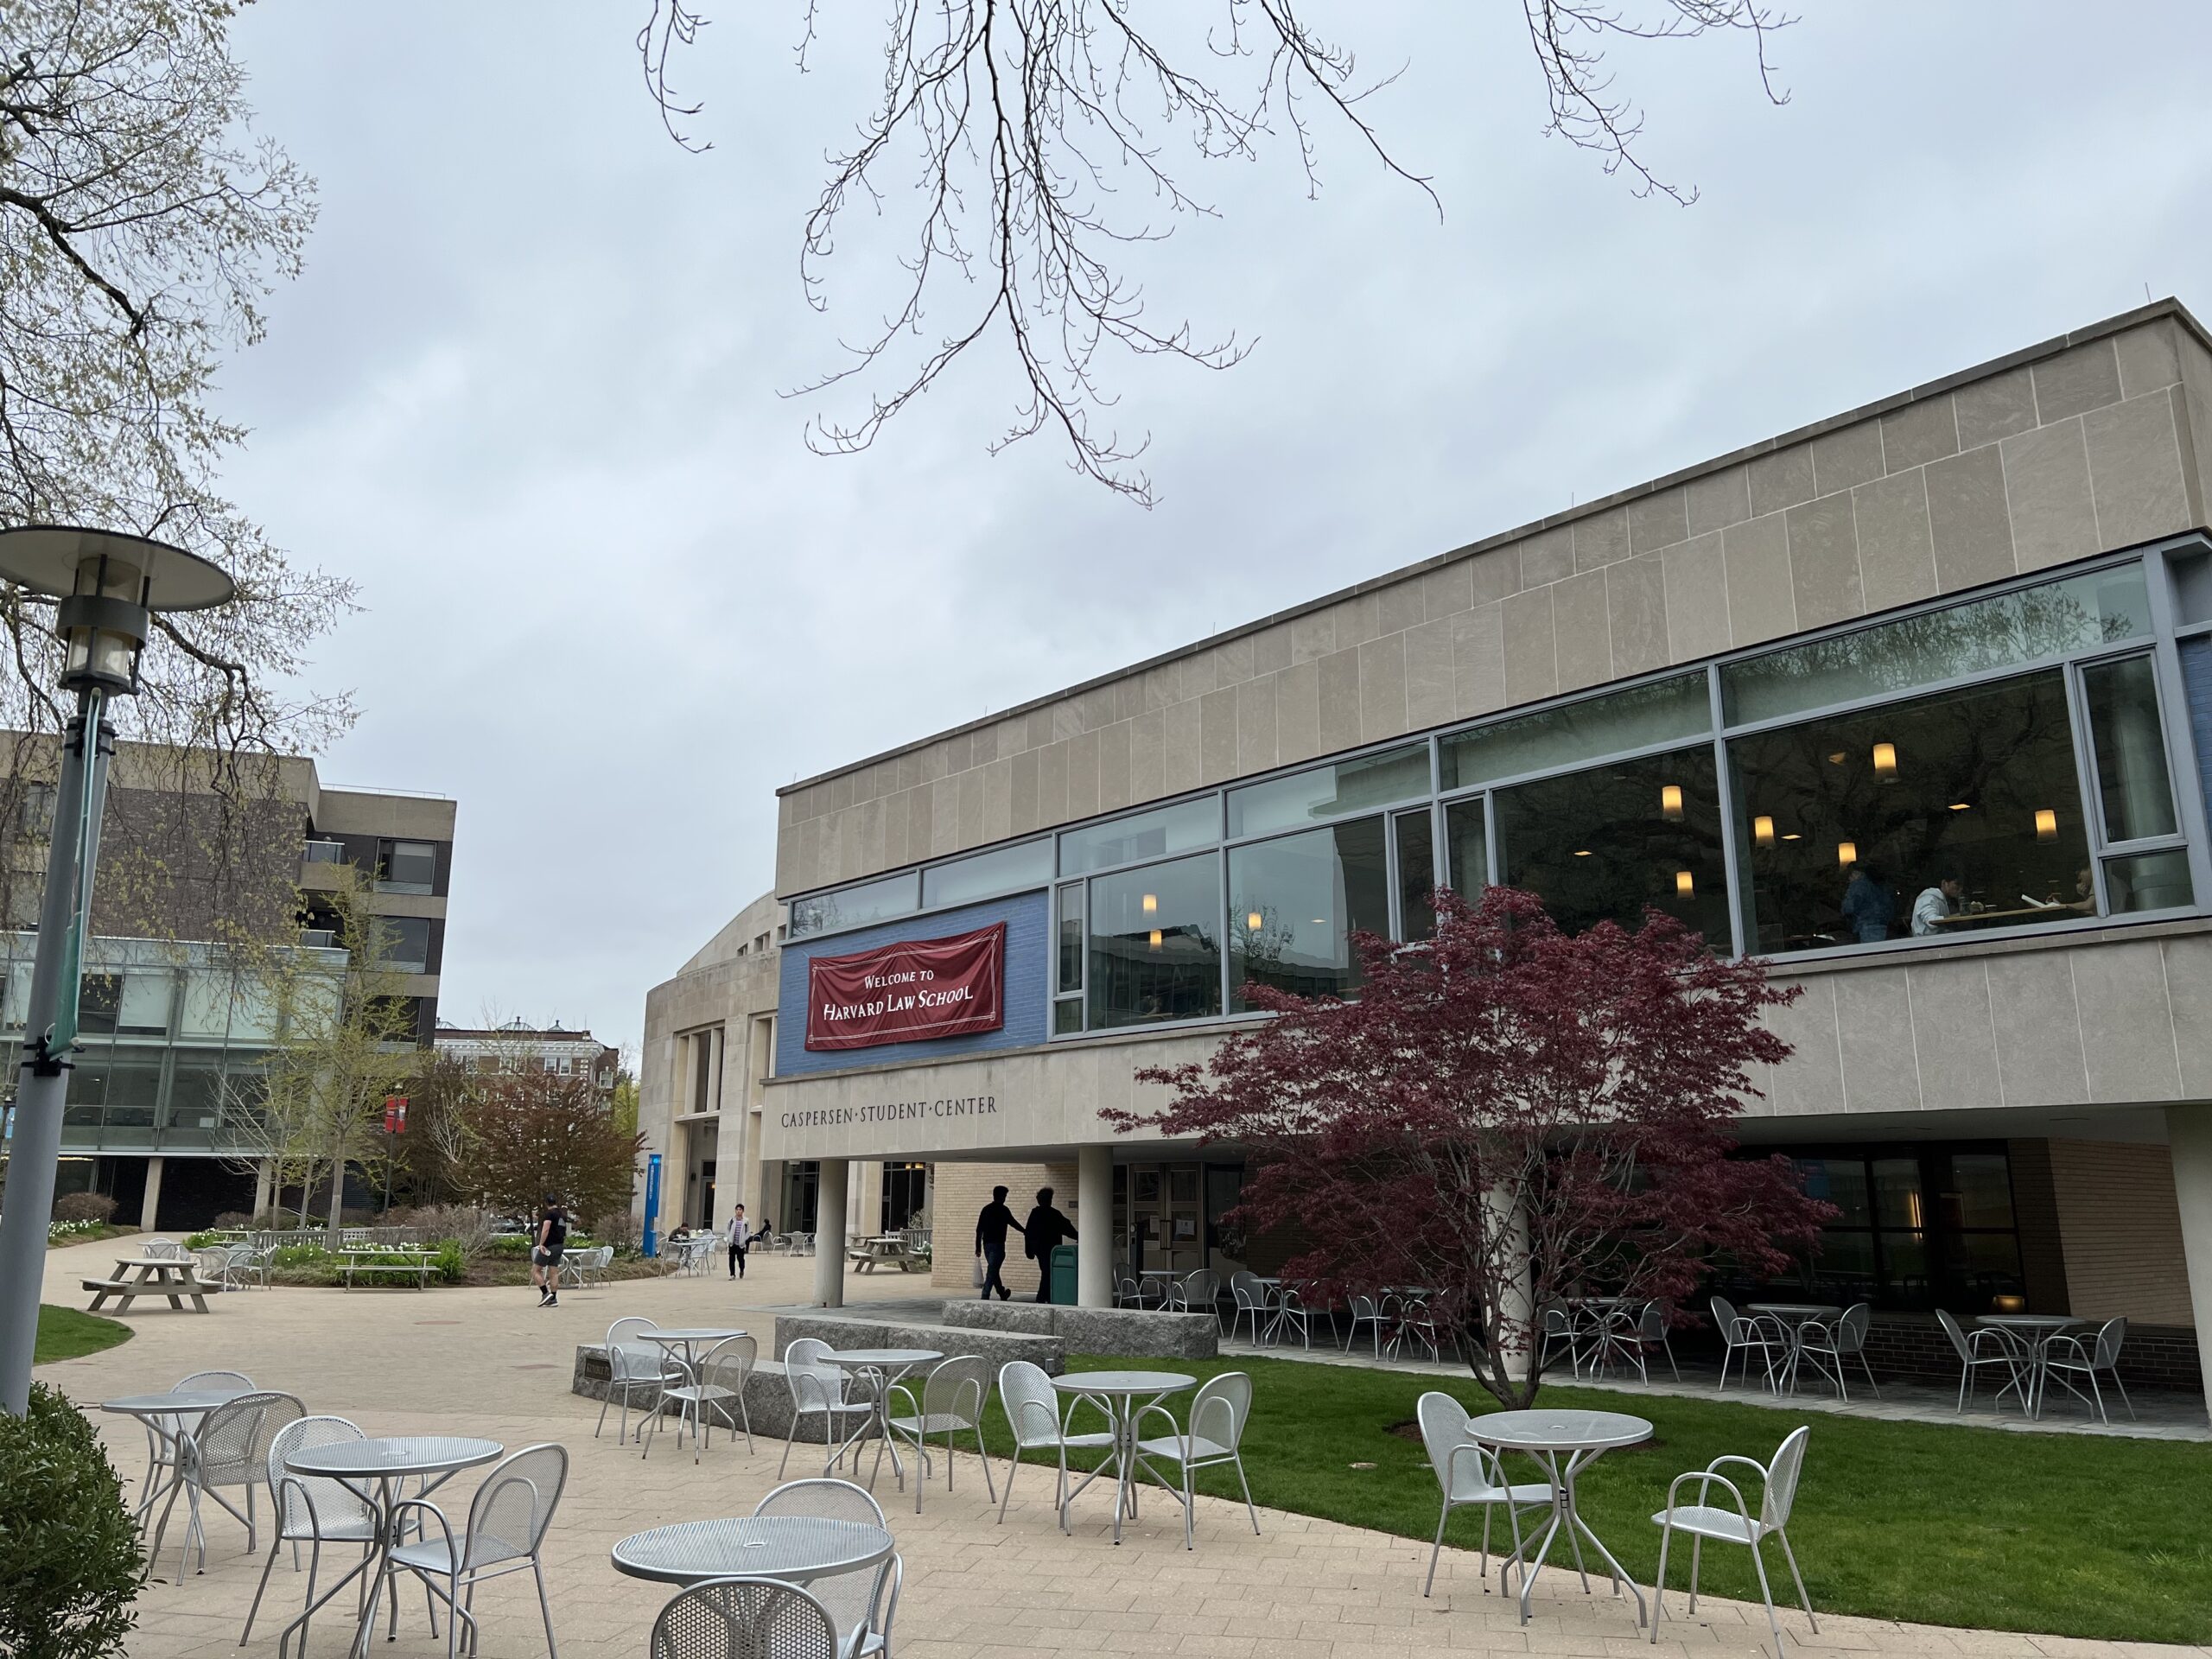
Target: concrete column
{"type": "Point", "coordinates": [2189, 1136]}
{"type": "Point", "coordinates": [264, 1181]}
{"type": "Point", "coordinates": [1094, 1226]}
{"type": "Point", "coordinates": [1516, 1310]}
{"type": "Point", "coordinates": [152, 1205]}
{"type": "Point", "coordinates": [829, 1234]}
{"type": "Point", "coordinates": [866, 1214]}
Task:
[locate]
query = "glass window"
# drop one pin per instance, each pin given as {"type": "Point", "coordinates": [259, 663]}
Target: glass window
{"type": "Point", "coordinates": [2008, 630]}
{"type": "Point", "coordinates": [98, 997]}
{"type": "Point", "coordinates": [143, 1008]}
{"type": "Point", "coordinates": [1576, 732]}
{"type": "Point", "coordinates": [19, 994]}
{"type": "Point", "coordinates": [1067, 1015]}
{"type": "Point", "coordinates": [1896, 1194]}
{"type": "Point", "coordinates": [405, 941]}
{"type": "Point", "coordinates": [1293, 902]}
{"type": "Point", "coordinates": [1601, 845]}
{"type": "Point", "coordinates": [1177, 828]}
{"type": "Point", "coordinates": [1981, 1190]}
{"type": "Point", "coordinates": [2131, 748]}
{"type": "Point", "coordinates": [1949, 814]}
{"type": "Point", "coordinates": [1153, 949]}
{"type": "Point", "coordinates": [407, 866]}
{"type": "Point", "coordinates": [1008, 869]}
{"type": "Point", "coordinates": [1416, 853]}
{"type": "Point", "coordinates": [1330, 791]}
{"type": "Point", "coordinates": [1071, 969]}
{"type": "Point", "coordinates": [2148, 881]}
{"type": "Point", "coordinates": [1466, 848]}
{"type": "Point", "coordinates": [871, 901]}
{"type": "Point", "coordinates": [1842, 1182]}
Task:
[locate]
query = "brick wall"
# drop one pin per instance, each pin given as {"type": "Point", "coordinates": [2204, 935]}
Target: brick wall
{"type": "Point", "coordinates": [962, 1189]}
{"type": "Point", "coordinates": [2122, 1230]}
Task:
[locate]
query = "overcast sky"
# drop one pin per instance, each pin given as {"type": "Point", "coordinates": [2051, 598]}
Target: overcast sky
{"type": "Point", "coordinates": [527, 391]}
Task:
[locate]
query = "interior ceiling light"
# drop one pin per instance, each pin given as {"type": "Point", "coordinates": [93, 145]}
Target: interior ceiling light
{"type": "Point", "coordinates": [1763, 830]}
{"type": "Point", "coordinates": [1961, 806]}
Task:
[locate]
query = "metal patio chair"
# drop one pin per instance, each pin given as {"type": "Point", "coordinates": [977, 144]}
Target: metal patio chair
{"type": "Point", "coordinates": [1250, 1301]}
{"type": "Point", "coordinates": [164, 1249]}
{"type": "Point", "coordinates": [161, 1442]}
{"type": "Point", "coordinates": [1470, 1474]}
{"type": "Point", "coordinates": [1369, 1311]}
{"type": "Point", "coordinates": [507, 1522]}
{"type": "Point", "coordinates": [951, 1403]}
{"type": "Point", "coordinates": [310, 1509]}
{"type": "Point", "coordinates": [1560, 1330]}
{"type": "Point", "coordinates": [818, 1389]}
{"type": "Point", "coordinates": [230, 1448]}
{"type": "Point", "coordinates": [1743, 1335]}
{"type": "Point", "coordinates": [744, 1619]}
{"type": "Point", "coordinates": [862, 1603]}
{"type": "Point", "coordinates": [1986, 1346]}
{"type": "Point", "coordinates": [716, 1391]}
{"type": "Point", "coordinates": [1290, 1310]}
{"type": "Point", "coordinates": [1033, 1412]}
{"type": "Point", "coordinates": [1195, 1293]}
{"type": "Point", "coordinates": [1827, 1346]}
{"type": "Point", "coordinates": [2079, 1357]}
{"type": "Point", "coordinates": [1218, 1413]}
{"type": "Point", "coordinates": [634, 1368]}
{"type": "Point", "coordinates": [1702, 1520]}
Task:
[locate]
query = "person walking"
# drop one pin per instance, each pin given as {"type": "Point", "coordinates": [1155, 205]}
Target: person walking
{"type": "Point", "coordinates": [545, 1252]}
{"type": "Point", "coordinates": [738, 1240]}
{"type": "Point", "coordinates": [1044, 1228]}
{"type": "Point", "coordinates": [990, 1243]}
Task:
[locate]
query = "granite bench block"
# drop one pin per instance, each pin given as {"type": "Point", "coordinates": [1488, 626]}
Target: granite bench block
{"type": "Point", "coordinates": [1098, 1330]}
{"type": "Point", "coordinates": [996, 1347]}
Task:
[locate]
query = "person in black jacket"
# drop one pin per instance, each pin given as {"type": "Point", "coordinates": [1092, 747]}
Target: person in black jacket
{"type": "Point", "coordinates": [990, 1243]}
{"type": "Point", "coordinates": [1044, 1228]}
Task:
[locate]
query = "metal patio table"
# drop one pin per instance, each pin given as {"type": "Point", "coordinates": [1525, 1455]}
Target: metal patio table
{"type": "Point", "coordinates": [1564, 1444]}
{"type": "Point", "coordinates": [1794, 1315]}
{"type": "Point", "coordinates": [1122, 1392]}
{"type": "Point", "coordinates": [888, 1366]}
{"type": "Point", "coordinates": [372, 1470]}
{"type": "Point", "coordinates": [2037, 1330]}
{"type": "Point", "coordinates": [152, 1410]}
{"type": "Point", "coordinates": [796, 1548]}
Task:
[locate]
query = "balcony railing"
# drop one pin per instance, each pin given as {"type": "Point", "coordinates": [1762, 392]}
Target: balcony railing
{"type": "Point", "coordinates": [322, 852]}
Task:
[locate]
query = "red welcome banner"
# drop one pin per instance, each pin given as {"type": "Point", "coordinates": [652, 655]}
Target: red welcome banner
{"type": "Point", "coordinates": [907, 993]}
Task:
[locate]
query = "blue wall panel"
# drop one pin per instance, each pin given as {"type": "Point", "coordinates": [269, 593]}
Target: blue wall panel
{"type": "Point", "coordinates": [1028, 961]}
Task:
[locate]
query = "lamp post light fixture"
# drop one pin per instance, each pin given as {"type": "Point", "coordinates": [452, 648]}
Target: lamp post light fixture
{"type": "Point", "coordinates": [108, 586]}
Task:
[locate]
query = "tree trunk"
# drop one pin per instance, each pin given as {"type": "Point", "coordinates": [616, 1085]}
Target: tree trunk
{"type": "Point", "coordinates": [337, 1200]}
{"type": "Point", "coordinates": [307, 1190]}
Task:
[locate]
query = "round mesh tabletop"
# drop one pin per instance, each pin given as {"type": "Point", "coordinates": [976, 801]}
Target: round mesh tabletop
{"type": "Point", "coordinates": [173, 1405]}
{"type": "Point", "coordinates": [793, 1547]}
{"type": "Point", "coordinates": [406, 1454]}
{"type": "Point", "coordinates": [1559, 1431]}
{"type": "Point", "coordinates": [880, 1357]}
{"type": "Point", "coordinates": [1123, 1382]}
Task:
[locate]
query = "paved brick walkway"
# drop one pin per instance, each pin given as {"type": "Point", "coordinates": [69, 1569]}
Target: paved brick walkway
{"type": "Point", "coordinates": [489, 1363]}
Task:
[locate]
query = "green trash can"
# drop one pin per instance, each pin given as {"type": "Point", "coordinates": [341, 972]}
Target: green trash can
{"type": "Point", "coordinates": [1061, 1272]}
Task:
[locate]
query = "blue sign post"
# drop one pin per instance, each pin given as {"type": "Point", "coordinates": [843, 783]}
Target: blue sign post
{"type": "Point", "coordinates": [651, 1242]}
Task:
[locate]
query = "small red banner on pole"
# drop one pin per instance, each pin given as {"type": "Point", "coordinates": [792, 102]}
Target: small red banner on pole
{"type": "Point", "coordinates": [395, 1115]}
{"type": "Point", "coordinates": [914, 992]}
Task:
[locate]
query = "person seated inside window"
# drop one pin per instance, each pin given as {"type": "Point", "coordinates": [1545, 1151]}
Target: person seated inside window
{"type": "Point", "coordinates": [1937, 904]}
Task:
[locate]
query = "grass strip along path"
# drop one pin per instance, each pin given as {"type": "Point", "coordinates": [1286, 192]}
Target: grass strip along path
{"type": "Point", "coordinates": [2055, 1533]}
{"type": "Point", "coordinates": [65, 1333]}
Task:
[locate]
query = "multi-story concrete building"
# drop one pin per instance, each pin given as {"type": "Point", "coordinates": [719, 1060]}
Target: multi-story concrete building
{"type": "Point", "coordinates": [514, 1043]}
{"type": "Point", "coordinates": [1914, 700]}
{"type": "Point", "coordinates": [709, 1051]}
{"type": "Point", "coordinates": [172, 1038]}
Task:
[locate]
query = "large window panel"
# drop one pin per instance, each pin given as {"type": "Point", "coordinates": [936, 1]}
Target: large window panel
{"type": "Point", "coordinates": [1178, 829]}
{"type": "Point", "coordinates": [1633, 718]}
{"type": "Point", "coordinates": [871, 901]}
{"type": "Point", "coordinates": [1466, 848]}
{"type": "Point", "coordinates": [1327, 792]}
{"type": "Point", "coordinates": [1005, 869]}
{"type": "Point", "coordinates": [1293, 902]}
{"type": "Point", "coordinates": [1602, 845]}
{"type": "Point", "coordinates": [2006, 631]}
{"type": "Point", "coordinates": [1945, 815]}
{"type": "Point", "coordinates": [1154, 945]}
{"type": "Point", "coordinates": [1416, 848]}
{"type": "Point", "coordinates": [2135, 792]}
{"type": "Point", "coordinates": [2149, 881]}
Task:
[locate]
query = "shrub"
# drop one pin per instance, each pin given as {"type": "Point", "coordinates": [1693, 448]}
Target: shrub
{"type": "Point", "coordinates": [68, 1549]}
{"type": "Point", "coordinates": [466, 1226]}
{"type": "Point", "coordinates": [511, 1244]}
{"type": "Point", "coordinates": [84, 1207]}
{"type": "Point", "coordinates": [233, 1221]}
{"type": "Point", "coordinates": [71, 1232]}
{"type": "Point", "coordinates": [205, 1241]}
{"type": "Point", "coordinates": [453, 1263]}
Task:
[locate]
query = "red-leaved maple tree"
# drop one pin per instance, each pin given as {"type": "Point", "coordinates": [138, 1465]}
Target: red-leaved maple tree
{"type": "Point", "coordinates": [1506, 1117]}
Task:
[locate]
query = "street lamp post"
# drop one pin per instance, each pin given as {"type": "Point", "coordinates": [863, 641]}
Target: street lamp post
{"type": "Point", "coordinates": [108, 586]}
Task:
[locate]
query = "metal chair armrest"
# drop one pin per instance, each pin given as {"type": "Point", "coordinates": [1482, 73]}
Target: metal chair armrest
{"type": "Point", "coordinates": [1487, 1465]}
{"type": "Point", "coordinates": [1707, 1479]}
{"type": "Point", "coordinates": [2081, 1350]}
{"type": "Point", "coordinates": [900, 1391]}
{"type": "Point", "coordinates": [445, 1527]}
{"type": "Point", "coordinates": [1021, 1408]}
{"type": "Point", "coordinates": [1174, 1430]}
{"type": "Point", "coordinates": [1095, 1404]}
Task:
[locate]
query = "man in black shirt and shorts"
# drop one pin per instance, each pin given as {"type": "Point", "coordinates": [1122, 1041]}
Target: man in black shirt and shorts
{"type": "Point", "coordinates": [545, 1252]}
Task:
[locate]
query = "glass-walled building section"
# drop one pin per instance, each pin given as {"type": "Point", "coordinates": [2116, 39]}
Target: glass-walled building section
{"type": "Point", "coordinates": [1998, 764]}
{"type": "Point", "coordinates": [173, 1042]}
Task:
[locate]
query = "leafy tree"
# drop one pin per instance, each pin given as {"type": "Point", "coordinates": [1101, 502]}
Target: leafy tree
{"type": "Point", "coordinates": [1510, 1115]}
{"type": "Point", "coordinates": [141, 224]}
{"type": "Point", "coordinates": [535, 1132]}
{"type": "Point", "coordinates": [622, 1107]}
{"type": "Point", "coordinates": [69, 1559]}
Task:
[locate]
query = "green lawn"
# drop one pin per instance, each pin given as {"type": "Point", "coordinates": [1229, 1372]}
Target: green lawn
{"type": "Point", "coordinates": [65, 1333]}
{"type": "Point", "coordinates": [2058, 1534]}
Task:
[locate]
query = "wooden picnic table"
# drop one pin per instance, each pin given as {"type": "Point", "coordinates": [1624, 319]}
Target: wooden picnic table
{"type": "Point", "coordinates": [885, 1247]}
{"type": "Point", "coordinates": [155, 1276]}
